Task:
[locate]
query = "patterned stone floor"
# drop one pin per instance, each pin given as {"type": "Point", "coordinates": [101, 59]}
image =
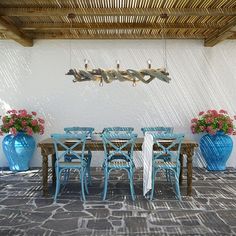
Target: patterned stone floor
{"type": "Point", "coordinates": [211, 210]}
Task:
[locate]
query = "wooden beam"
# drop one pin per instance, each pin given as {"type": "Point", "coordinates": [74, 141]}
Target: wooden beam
{"type": "Point", "coordinates": [86, 26]}
{"type": "Point", "coordinates": [113, 36]}
{"type": "Point", "coordinates": [14, 33]}
{"type": "Point", "coordinates": [220, 34]}
{"type": "Point", "coordinates": [43, 11]}
{"type": "Point", "coordinates": [2, 36]}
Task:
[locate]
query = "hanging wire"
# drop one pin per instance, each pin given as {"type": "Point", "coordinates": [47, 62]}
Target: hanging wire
{"type": "Point", "coordinates": [70, 41]}
{"type": "Point", "coordinates": [164, 16]}
{"type": "Point", "coordinates": [71, 17]}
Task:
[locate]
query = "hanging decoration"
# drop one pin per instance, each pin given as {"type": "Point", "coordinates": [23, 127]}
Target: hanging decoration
{"type": "Point", "coordinates": [107, 76]}
{"type": "Point", "coordinates": [110, 75]}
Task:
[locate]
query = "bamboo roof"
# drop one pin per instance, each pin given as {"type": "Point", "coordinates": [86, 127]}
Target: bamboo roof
{"type": "Point", "coordinates": [210, 20]}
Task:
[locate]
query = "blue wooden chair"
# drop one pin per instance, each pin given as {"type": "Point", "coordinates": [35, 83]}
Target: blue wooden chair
{"type": "Point", "coordinates": [119, 129]}
{"type": "Point", "coordinates": [64, 147]}
{"type": "Point", "coordinates": [172, 163]}
{"type": "Point", "coordinates": [88, 155]}
{"type": "Point", "coordinates": [158, 130]}
{"type": "Point", "coordinates": [118, 154]}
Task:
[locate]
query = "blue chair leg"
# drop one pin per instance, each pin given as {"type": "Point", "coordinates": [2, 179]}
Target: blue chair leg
{"type": "Point", "coordinates": [177, 189]}
{"type": "Point", "coordinates": [82, 170]}
{"type": "Point", "coordinates": [66, 176]}
{"type": "Point", "coordinates": [66, 171]}
{"type": "Point", "coordinates": [168, 175]}
{"type": "Point", "coordinates": [130, 173]}
{"type": "Point", "coordinates": [86, 183]}
{"type": "Point", "coordinates": [88, 168]}
{"type": "Point", "coordinates": [153, 183]}
{"type": "Point", "coordinates": [105, 184]}
{"type": "Point", "coordinates": [58, 183]}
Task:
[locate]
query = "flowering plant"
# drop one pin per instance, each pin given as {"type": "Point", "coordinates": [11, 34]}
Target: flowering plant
{"type": "Point", "coordinates": [21, 121]}
{"type": "Point", "coordinates": [213, 121]}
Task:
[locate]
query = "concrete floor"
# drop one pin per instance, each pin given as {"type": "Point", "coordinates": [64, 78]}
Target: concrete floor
{"type": "Point", "coordinates": [211, 210]}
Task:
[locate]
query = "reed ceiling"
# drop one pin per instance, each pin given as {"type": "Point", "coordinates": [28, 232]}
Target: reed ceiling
{"type": "Point", "coordinates": [210, 20]}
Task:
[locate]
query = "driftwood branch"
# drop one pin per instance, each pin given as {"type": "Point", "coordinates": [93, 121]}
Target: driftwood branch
{"type": "Point", "coordinates": [145, 76]}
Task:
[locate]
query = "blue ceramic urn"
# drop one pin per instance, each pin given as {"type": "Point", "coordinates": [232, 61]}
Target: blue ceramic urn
{"type": "Point", "coordinates": [19, 150]}
{"type": "Point", "coordinates": [216, 150]}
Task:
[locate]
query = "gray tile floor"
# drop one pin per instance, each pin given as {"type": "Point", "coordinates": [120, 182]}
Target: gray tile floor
{"type": "Point", "coordinates": [211, 210]}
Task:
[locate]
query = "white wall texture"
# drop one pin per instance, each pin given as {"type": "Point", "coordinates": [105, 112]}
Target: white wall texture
{"type": "Point", "coordinates": [34, 79]}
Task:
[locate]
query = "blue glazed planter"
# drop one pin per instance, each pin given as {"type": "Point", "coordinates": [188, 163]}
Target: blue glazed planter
{"type": "Point", "coordinates": [216, 150]}
{"type": "Point", "coordinates": [19, 150]}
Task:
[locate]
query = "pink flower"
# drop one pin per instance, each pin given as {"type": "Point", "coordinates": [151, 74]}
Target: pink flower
{"type": "Point", "coordinates": [235, 117]}
{"type": "Point", "coordinates": [230, 130]}
{"type": "Point", "coordinates": [194, 120]}
{"type": "Point", "coordinates": [24, 123]}
{"type": "Point", "coordinates": [12, 111]}
{"type": "Point", "coordinates": [209, 129]}
{"type": "Point", "coordinates": [201, 113]}
{"type": "Point", "coordinates": [41, 120]}
{"type": "Point", "coordinates": [1, 133]}
{"type": "Point", "coordinates": [202, 128]}
{"type": "Point", "coordinates": [11, 122]}
{"type": "Point", "coordinates": [29, 131]}
{"type": "Point", "coordinates": [22, 111]}
{"type": "Point", "coordinates": [209, 120]}
{"type": "Point", "coordinates": [34, 113]}
{"type": "Point", "coordinates": [34, 122]}
{"type": "Point", "coordinates": [214, 112]}
{"type": "Point", "coordinates": [13, 131]}
{"type": "Point", "coordinates": [223, 111]}
{"type": "Point", "coordinates": [41, 129]}
{"type": "Point", "coordinates": [5, 126]}
{"type": "Point", "coordinates": [193, 131]}
{"type": "Point", "coordinates": [193, 128]}
{"type": "Point", "coordinates": [23, 115]}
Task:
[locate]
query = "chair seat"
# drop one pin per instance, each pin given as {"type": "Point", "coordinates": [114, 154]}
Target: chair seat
{"type": "Point", "coordinates": [120, 157]}
{"type": "Point", "coordinates": [73, 157]}
{"type": "Point", "coordinates": [165, 164]}
{"type": "Point", "coordinates": [118, 164]}
{"type": "Point", "coordinates": [165, 157]}
{"type": "Point", "coordinates": [69, 164]}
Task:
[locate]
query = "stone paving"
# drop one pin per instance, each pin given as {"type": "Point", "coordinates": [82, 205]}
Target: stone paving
{"type": "Point", "coordinates": [211, 210]}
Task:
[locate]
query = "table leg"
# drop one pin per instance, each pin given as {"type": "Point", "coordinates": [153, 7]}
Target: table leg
{"type": "Point", "coordinates": [53, 169]}
{"type": "Point", "coordinates": [181, 169]}
{"type": "Point", "coordinates": [189, 170]}
{"type": "Point", "coordinates": [45, 174]}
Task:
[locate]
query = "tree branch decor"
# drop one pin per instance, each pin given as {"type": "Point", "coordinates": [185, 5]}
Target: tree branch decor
{"type": "Point", "coordinates": [108, 76]}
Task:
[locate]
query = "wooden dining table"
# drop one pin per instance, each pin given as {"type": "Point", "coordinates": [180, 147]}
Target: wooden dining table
{"type": "Point", "coordinates": [47, 151]}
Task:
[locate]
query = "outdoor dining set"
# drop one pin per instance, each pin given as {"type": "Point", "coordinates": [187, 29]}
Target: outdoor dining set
{"type": "Point", "coordinates": [161, 151]}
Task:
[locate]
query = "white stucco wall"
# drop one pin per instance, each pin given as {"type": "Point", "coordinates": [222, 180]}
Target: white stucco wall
{"type": "Point", "coordinates": [34, 78]}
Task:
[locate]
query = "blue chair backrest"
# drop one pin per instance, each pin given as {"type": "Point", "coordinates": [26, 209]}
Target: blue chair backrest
{"type": "Point", "coordinates": [77, 130]}
{"type": "Point", "coordinates": [169, 144]}
{"type": "Point", "coordinates": [158, 130]}
{"type": "Point", "coordinates": [118, 129]}
{"type": "Point", "coordinates": [118, 144]}
{"type": "Point", "coordinates": [69, 144]}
